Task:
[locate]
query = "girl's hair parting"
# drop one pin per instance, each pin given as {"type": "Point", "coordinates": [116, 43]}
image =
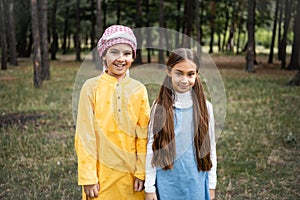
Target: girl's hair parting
{"type": "Point", "coordinates": [164, 149]}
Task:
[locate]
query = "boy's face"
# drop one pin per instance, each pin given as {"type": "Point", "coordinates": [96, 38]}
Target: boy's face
{"type": "Point", "coordinates": [183, 76]}
{"type": "Point", "coordinates": [118, 59]}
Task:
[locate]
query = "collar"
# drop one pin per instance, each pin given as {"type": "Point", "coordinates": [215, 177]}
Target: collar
{"type": "Point", "coordinates": [183, 100]}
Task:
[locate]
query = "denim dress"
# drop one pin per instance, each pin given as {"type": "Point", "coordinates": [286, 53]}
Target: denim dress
{"type": "Point", "coordinates": [184, 181]}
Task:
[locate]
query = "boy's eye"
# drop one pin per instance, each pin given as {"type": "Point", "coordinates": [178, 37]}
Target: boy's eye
{"type": "Point", "coordinates": [127, 53]}
{"type": "Point", "coordinates": [114, 52]}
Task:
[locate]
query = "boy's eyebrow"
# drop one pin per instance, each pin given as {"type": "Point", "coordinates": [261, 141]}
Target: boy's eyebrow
{"type": "Point", "coordinates": [115, 49]}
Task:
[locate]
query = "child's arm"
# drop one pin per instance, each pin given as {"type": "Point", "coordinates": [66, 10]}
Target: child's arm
{"type": "Point", "coordinates": [141, 133]}
{"type": "Point", "coordinates": [150, 170]}
{"type": "Point", "coordinates": [212, 174]}
{"type": "Point", "coordinates": [212, 194]}
{"type": "Point", "coordinates": [85, 141]}
{"type": "Point", "coordinates": [151, 196]}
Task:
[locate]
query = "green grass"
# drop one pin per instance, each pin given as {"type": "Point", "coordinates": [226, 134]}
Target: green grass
{"type": "Point", "coordinates": [258, 150]}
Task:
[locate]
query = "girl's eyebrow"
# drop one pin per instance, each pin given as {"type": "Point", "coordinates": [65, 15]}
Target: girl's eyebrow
{"type": "Point", "coordinates": [183, 72]}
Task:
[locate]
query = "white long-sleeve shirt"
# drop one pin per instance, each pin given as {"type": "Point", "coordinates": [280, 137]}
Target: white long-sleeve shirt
{"type": "Point", "coordinates": [182, 100]}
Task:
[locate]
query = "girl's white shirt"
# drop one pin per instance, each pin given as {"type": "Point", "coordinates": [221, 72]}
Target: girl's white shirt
{"type": "Point", "coordinates": [182, 100]}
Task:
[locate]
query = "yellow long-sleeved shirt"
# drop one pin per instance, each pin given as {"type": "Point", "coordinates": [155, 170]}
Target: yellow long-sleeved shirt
{"type": "Point", "coordinates": [111, 135]}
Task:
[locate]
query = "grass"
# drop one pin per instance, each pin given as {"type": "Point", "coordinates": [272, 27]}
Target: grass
{"type": "Point", "coordinates": [258, 150]}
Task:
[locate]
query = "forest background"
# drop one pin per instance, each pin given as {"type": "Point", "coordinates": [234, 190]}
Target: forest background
{"type": "Point", "coordinates": [255, 45]}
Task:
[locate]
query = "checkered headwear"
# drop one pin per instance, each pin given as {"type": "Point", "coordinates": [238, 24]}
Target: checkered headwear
{"type": "Point", "coordinates": [116, 34]}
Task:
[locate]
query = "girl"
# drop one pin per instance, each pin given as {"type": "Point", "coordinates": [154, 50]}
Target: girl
{"type": "Point", "coordinates": [111, 128]}
{"type": "Point", "coordinates": [181, 151]}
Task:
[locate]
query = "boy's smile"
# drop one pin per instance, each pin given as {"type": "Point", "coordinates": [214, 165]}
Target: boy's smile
{"type": "Point", "coordinates": [118, 58]}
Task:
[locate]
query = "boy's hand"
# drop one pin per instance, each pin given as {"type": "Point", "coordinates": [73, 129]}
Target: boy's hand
{"type": "Point", "coordinates": [151, 196]}
{"type": "Point", "coordinates": [92, 190]}
{"type": "Point", "coordinates": [138, 185]}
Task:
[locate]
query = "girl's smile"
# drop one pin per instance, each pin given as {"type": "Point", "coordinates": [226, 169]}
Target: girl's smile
{"type": "Point", "coordinates": [183, 76]}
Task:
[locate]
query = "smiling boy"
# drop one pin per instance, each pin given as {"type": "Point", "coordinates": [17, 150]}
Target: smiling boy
{"type": "Point", "coordinates": [111, 129]}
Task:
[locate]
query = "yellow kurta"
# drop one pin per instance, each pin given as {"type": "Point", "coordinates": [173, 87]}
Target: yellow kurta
{"type": "Point", "coordinates": [111, 135]}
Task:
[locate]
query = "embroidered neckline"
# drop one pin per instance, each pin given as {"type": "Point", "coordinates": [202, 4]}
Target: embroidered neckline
{"type": "Point", "coordinates": [183, 100]}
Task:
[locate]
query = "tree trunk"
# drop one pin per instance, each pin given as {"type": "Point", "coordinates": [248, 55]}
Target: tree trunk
{"type": "Point", "coordinates": [77, 35]}
{"type": "Point", "coordinates": [273, 33]}
{"type": "Point", "coordinates": [238, 41]}
{"type": "Point", "coordinates": [148, 34]}
{"type": "Point", "coordinates": [12, 36]}
{"type": "Point", "coordinates": [287, 19]}
{"type": "Point", "coordinates": [188, 15]}
{"type": "Point", "coordinates": [3, 38]}
{"type": "Point", "coordinates": [104, 15]}
{"type": "Point", "coordinates": [93, 26]}
{"type": "Point", "coordinates": [66, 29]}
{"type": "Point", "coordinates": [98, 29]}
{"type": "Point", "coordinates": [225, 29]}
{"type": "Point", "coordinates": [295, 57]}
{"type": "Point", "coordinates": [295, 80]}
{"type": "Point", "coordinates": [161, 34]}
{"type": "Point", "coordinates": [37, 75]}
{"type": "Point", "coordinates": [43, 24]}
{"type": "Point", "coordinates": [212, 26]}
{"type": "Point", "coordinates": [279, 38]}
{"type": "Point", "coordinates": [98, 20]}
{"type": "Point", "coordinates": [118, 12]}
{"type": "Point", "coordinates": [250, 44]}
{"type": "Point", "coordinates": [178, 22]}
{"type": "Point", "coordinates": [138, 24]}
{"type": "Point", "coordinates": [54, 44]}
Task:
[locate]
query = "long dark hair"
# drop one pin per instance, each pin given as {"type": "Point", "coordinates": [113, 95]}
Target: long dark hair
{"type": "Point", "coordinates": [164, 149]}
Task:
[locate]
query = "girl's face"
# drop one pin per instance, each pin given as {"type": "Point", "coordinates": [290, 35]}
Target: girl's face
{"type": "Point", "coordinates": [118, 59]}
{"type": "Point", "coordinates": [183, 76]}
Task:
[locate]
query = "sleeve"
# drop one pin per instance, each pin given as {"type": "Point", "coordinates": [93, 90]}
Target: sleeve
{"type": "Point", "coordinates": [85, 139]}
{"type": "Point", "coordinates": [212, 174]}
{"type": "Point", "coordinates": [150, 170]}
{"type": "Point", "coordinates": [141, 133]}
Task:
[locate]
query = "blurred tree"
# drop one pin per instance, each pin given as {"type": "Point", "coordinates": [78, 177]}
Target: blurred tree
{"type": "Point", "coordinates": [279, 38]}
{"type": "Point", "coordinates": [12, 35]}
{"type": "Point", "coordinates": [54, 43]}
{"type": "Point", "coordinates": [251, 40]}
{"type": "Point", "coordinates": [161, 34]}
{"type": "Point", "coordinates": [37, 75]}
{"type": "Point", "coordinates": [212, 17]}
{"type": "Point", "coordinates": [43, 28]}
{"type": "Point", "coordinates": [274, 33]}
{"type": "Point", "coordinates": [66, 29]}
{"type": "Point", "coordinates": [77, 33]}
{"type": "Point", "coordinates": [295, 57]}
{"type": "Point", "coordinates": [3, 37]}
{"type": "Point", "coordinates": [138, 24]}
{"type": "Point", "coordinates": [287, 20]}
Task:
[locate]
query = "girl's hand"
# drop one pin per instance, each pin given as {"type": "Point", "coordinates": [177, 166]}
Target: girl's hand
{"type": "Point", "coordinates": [91, 190]}
{"type": "Point", "coordinates": [151, 196]}
{"type": "Point", "coordinates": [212, 194]}
{"type": "Point", "coordinates": [138, 185]}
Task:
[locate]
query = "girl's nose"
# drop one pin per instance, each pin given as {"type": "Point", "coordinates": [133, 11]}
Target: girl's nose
{"type": "Point", "coordinates": [184, 79]}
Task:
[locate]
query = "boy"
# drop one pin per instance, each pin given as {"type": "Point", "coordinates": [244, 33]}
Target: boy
{"type": "Point", "coordinates": [111, 129]}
